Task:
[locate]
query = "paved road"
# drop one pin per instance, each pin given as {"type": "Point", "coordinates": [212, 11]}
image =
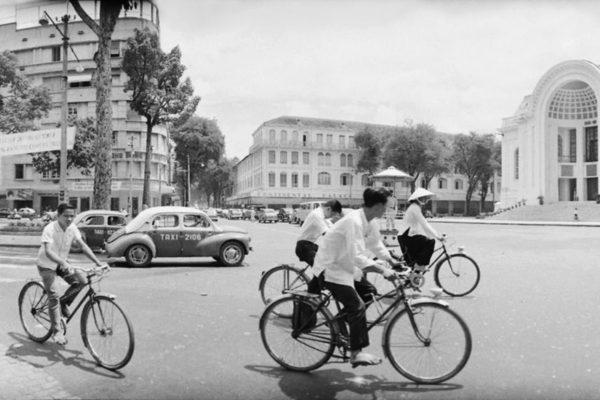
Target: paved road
{"type": "Point", "coordinates": [533, 319]}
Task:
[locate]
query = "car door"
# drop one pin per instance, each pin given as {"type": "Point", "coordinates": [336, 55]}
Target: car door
{"type": "Point", "coordinates": [165, 234]}
{"type": "Point", "coordinates": [196, 227]}
{"type": "Point", "coordinates": [92, 228]}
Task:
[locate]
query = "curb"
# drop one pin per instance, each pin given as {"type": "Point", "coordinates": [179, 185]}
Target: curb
{"type": "Point", "coordinates": [501, 222]}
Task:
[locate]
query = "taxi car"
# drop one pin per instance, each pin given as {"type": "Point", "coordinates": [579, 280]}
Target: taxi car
{"type": "Point", "coordinates": [96, 226]}
{"type": "Point", "coordinates": [177, 232]}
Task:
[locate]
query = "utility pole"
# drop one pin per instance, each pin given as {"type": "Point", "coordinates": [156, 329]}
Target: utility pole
{"type": "Point", "coordinates": [63, 196]}
{"type": "Point", "coordinates": [189, 196]}
{"type": "Point", "coordinates": [130, 205]}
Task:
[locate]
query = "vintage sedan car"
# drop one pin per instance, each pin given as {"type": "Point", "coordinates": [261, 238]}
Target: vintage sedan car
{"type": "Point", "coordinates": [285, 214]}
{"type": "Point", "coordinates": [234, 213]}
{"type": "Point", "coordinates": [96, 226]}
{"type": "Point", "coordinates": [212, 214]}
{"type": "Point", "coordinates": [26, 212]}
{"type": "Point", "coordinates": [5, 212]}
{"type": "Point", "coordinates": [267, 215]}
{"type": "Point", "coordinates": [177, 232]}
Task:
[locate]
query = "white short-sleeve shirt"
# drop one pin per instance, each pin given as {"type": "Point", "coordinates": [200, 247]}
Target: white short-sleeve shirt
{"type": "Point", "coordinates": [59, 241]}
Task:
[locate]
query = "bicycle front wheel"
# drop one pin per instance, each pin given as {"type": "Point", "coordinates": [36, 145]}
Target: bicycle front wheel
{"type": "Point", "coordinates": [434, 350]}
{"type": "Point", "coordinates": [107, 333]}
{"type": "Point", "coordinates": [288, 343]}
{"type": "Point", "coordinates": [457, 274]}
{"type": "Point", "coordinates": [280, 279]}
{"type": "Point", "coordinates": [33, 311]}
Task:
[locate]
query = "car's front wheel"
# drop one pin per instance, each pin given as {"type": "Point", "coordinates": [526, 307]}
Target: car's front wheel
{"type": "Point", "coordinates": [138, 255]}
{"type": "Point", "coordinates": [231, 253]}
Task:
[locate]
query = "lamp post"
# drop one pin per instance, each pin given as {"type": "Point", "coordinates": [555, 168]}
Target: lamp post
{"type": "Point", "coordinates": [62, 194]}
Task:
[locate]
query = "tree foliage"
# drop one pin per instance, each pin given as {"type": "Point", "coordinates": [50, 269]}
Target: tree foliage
{"type": "Point", "coordinates": [20, 103]}
{"type": "Point", "coordinates": [158, 91]}
{"type": "Point", "coordinates": [369, 145]}
{"type": "Point", "coordinates": [472, 156]}
{"type": "Point", "coordinates": [201, 140]}
{"type": "Point", "coordinates": [103, 28]}
{"type": "Point", "coordinates": [82, 155]}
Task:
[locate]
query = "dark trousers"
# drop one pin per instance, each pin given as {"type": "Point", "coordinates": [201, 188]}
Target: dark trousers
{"type": "Point", "coordinates": [354, 307]}
{"type": "Point", "coordinates": [364, 288]}
{"type": "Point", "coordinates": [306, 251]}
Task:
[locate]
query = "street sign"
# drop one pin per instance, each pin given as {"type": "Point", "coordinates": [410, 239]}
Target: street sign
{"type": "Point", "coordinates": [34, 141]}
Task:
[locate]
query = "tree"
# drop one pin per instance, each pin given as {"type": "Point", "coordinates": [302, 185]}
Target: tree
{"type": "Point", "coordinates": [369, 145]}
{"type": "Point", "coordinates": [20, 103]}
{"type": "Point", "coordinates": [109, 12]}
{"type": "Point", "coordinates": [216, 180]}
{"type": "Point", "coordinates": [487, 170]}
{"type": "Point", "coordinates": [414, 149]}
{"type": "Point", "coordinates": [200, 141]}
{"type": "Point", "coordinates": [81, 156]}
{"type": "Point", "coordinates": [471, 155]}
{"type": "Point", "coordinates": [158, 93]}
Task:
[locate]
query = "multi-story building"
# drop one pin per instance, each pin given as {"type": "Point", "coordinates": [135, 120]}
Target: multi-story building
{"type": "Point", "coordinates": [38, 49]}
{"type": "Point", "coordinates": [297, 159]}
{"type": "Point", "coordinates": [550, 144]}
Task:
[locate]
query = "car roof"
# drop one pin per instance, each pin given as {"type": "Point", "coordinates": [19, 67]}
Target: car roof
{"type": "Point", "coordinates": [84, 214]}
{"type": "Point", "coordinates": [143, 216]}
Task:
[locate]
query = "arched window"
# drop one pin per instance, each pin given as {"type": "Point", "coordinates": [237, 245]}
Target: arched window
{"type": "Point", "coordinates": [283, 179]}
{"type": "Point", "coordinates": [272, 136]}
{"type": "Point", "coordinates": [295, 137]}
{"type": "Point", "coordinates": [342, 160]}
{"type": "Point", "coordinates": [364, 180]}
{"type": "Point", "coordinates": [320, 159]}
{"type": "Point", "coordinates": [442, 183]}
{"type": "Point", "coordinates": [458, 184]}
{"type": "Point", "coordinates": [517, 164]}
{"type": "Point", "coordinates": [324, 178]}
{"type": "Point", "coordinates": [305, 139]}
{"type": "Point", "coordinates": [345, 179]}
{"type": "Point", "coordinates": [294, 179]}
{"type": "Point", "coordinates": [271, 179]}
{"type": "Point", "coordinates": [283, 136]}
{"type": "Point", "coordinates": [423, 183]}
{"type": "Point", "coordinates": [350, 160]}
{"type": "Point", "coordinates": [328, 159]}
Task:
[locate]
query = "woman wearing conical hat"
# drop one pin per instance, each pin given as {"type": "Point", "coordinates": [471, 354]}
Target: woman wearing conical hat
{"type": "Point", "coordinates": [418, 240]}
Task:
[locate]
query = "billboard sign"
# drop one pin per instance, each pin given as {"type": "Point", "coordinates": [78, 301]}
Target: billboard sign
{"type": "Point", "coordinates": [34, 141]}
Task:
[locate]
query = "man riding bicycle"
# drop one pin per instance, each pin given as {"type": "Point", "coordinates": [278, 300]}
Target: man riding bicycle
{"type": "Point", "coordinates": [51, 262]}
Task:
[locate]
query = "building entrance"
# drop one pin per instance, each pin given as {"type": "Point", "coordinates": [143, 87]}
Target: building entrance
{"type": "Point", "coordinates": [592, 188]}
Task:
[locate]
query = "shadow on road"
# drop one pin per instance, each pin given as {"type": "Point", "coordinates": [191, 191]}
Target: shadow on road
{"type": "Point", "coordinates": [42, 355]}
{"type": "Point", "coordinates": [325, 384]}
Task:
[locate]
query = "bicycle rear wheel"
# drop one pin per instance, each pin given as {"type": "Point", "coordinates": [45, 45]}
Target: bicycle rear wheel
{"type": "Point", "coordinates": [33, 311]}
{"type": "Point", "coordinates": [440, 354]}
{"type": "Point", "coordinates": [279, 279]}
{"type": "Point", "coordinates": [457, 274]}
{"type": "Point", "coordinates": [291, 346]}
{"type": "Point", "coordinates": [107, 333]}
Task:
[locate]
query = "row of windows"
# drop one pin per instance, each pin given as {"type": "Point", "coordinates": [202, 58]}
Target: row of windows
{"type": "Point", "coordinates": [323, 159]}
{"type": "Point", "coordinates": [323, 178]}
{"type": "Point", "coordinates": [320, 137]}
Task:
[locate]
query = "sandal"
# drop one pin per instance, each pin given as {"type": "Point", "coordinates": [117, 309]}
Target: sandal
{"type": "Point", "coordinates": [365, 359]}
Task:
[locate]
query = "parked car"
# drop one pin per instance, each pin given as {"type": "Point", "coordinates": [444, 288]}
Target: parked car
{"type": "Point", "coordinates": [285, 214]}
{"type": "Point", "coordinates": [235, 213]}
{"type": "Point", "coordinates": [96, 226]}
{"type": "Point", "coordinates": [267, 215]}
{"type": "Point", "coordinates": [212, 214]}
{"type": "Point", "coordinates": [5, 212]}
{"type": "Point", "coordinates": [26, 212]}
{"type": "Point", "coordinates": [177, 232]}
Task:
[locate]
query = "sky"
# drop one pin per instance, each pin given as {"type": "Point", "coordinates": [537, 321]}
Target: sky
{"type": "Point", "coordinates": [459, 65]}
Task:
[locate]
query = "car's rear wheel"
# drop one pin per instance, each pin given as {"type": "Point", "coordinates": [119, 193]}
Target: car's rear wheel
{"type": "Point", "coordinates": [138, 255]}
{"type": "Point", "coordinates": [231, 253]}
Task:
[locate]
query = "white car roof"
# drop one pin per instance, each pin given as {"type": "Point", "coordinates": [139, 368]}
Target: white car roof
{"type": "Point", "coordinates": [143, 216]}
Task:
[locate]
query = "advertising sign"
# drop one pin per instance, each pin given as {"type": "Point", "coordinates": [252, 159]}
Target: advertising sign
{"type": "Point", "coordinates": [34, 141]}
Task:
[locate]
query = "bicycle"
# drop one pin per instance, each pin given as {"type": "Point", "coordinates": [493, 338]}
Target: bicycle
{"type": "Point", "coordinates": [105, 329]}
{"type": "Point", "coordinates": [457, 274]}
{"type": "Point", "coordinates": [281, 278]}
{"type": "Point", "coordinates": [423, 338]}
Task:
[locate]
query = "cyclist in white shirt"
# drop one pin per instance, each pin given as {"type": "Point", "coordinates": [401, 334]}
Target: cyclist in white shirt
{"type": "Point", "coordinates": [315, 226]}
{"type": "Point", "coordinates": [344, 255]}
{"type": "Point", "coordinates": [57, 238]}
{"type": "Point", "coordinates": [419, 238]}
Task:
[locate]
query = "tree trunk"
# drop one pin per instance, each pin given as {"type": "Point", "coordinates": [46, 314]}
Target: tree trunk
{"type": "Point", "coordinates": [468, 200]}
{"type": "Point", "coordinates": [103, 148]}
{"type": "Point", "coordinates": [148, 163]}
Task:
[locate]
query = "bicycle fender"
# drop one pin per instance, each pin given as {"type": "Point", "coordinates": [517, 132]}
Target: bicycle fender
{"type": "Point", "coordinates": [421, 300]}
{"type": "Point", "coordinates": [104, 294]}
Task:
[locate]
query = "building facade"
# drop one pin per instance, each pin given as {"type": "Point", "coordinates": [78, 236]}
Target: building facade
{"type": "Point", "coordinates": [297, 159]}
{"type": "Point", "coordinates": [38, 49]}
{"type": "Point", "coordinates": [550, 145]}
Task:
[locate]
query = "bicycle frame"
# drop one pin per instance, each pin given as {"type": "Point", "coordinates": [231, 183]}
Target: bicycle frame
{"type": "Point", "coordinates": [89, 295]}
